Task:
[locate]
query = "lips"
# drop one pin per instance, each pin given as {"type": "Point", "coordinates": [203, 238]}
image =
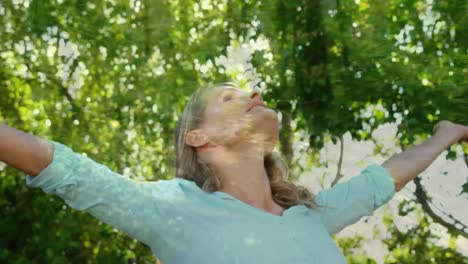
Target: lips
{"type": "Point", "coordinates": [254, 104]}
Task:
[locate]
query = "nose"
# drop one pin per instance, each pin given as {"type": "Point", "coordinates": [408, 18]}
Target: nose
{"type": "Point", "coordinates": [255, 94]}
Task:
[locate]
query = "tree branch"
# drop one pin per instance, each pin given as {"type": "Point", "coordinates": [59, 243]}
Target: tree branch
{"type": "Point", "coordinates": [340, 162]}
{"type": "Point", "coordinates": [425, 201]}
{"type": "Point", "coordinates": [286, 138]}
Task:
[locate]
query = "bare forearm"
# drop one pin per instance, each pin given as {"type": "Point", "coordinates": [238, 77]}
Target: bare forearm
{"type": "Point", "coordinates": [408, 164]}
{"type": "Point", "coordinates": [24, 151]}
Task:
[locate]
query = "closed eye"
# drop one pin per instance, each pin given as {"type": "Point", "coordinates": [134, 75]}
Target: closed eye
{"type": "Point", "coordinates": [230, 94]}
{"type": "Point", "coordinates": [227, 98]}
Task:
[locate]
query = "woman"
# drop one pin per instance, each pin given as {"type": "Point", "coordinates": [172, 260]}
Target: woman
{"type": "Point", "coordinates": [229, 202]}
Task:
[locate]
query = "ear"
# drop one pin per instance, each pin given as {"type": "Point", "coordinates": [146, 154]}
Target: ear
{"type": "Point", "coordinates": [196, 138]}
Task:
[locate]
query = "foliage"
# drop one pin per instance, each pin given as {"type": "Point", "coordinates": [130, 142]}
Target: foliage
{"type": "Point", "coordinates": [418, 244]}
{"type": "Point", "coordinates": [109, 79]}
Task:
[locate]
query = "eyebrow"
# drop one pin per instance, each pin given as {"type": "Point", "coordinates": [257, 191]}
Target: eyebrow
{"type": "Point", "coordinates": [229, 88]}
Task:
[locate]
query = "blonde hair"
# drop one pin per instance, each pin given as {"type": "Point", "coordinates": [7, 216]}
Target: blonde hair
{"type": "Point", "coordinates": [189, 167]}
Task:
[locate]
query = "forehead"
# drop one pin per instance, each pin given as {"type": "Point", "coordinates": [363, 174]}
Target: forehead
{"type": "Point", "coordinates": [220, 89]}
{"type": "Point", "coordinates": [216, 91]}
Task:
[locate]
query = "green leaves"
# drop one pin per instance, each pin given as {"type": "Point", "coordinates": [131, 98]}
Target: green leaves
{"type": "Point", "coordinates": [464, 188]}
{"type": "Point", "coordinates": [117, 96]}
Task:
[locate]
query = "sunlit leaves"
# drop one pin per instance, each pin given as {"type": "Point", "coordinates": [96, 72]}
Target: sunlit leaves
{"type": "Point", "coordinates": [110, 78]}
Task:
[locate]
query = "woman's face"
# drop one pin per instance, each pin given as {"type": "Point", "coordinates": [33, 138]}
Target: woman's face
{"type": "Point", "coordinates": [233, 116]}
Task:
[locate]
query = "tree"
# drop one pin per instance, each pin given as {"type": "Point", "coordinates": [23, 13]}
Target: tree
{"type": "Point", "coordinates": [109, 79]}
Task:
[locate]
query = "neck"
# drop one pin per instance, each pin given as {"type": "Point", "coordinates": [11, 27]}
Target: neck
{"type": "Point", "coordinates": [245, 178]}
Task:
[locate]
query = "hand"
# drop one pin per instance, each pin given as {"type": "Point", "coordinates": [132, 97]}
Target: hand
{"type": "Point", "coordinates": [458, 131]}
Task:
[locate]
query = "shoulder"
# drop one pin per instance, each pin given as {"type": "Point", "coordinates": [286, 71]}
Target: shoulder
{"type": "Point", "coordinates": [174, 196]}
{"type": "Point", "coordinates": [175, 187]}
{"type": "Point", "coordinates": [174, 183]}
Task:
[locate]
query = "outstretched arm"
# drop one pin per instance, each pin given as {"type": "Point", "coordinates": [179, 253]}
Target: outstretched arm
{"type": "Point", "coordinates": [138, 208]}
{"type": "Point", "coordinates": [346, 202]}
{"type": "Point", "coordinates": [407, 165]}
{"type": "Point", "coordinates": [24, 151]}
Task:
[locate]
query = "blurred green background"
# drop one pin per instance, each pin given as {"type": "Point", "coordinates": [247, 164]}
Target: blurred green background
{"type": "Point", "coordinates": [109, 79]}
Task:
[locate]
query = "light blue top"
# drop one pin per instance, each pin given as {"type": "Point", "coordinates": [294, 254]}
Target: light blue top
{"type": "Point", "coordinates": [183, 224]}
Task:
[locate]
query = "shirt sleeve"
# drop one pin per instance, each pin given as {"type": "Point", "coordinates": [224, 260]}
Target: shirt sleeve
{"type": "Point", "coordinates": [347, 202]}
{"type": "Point", "coordinates": [136, 208]}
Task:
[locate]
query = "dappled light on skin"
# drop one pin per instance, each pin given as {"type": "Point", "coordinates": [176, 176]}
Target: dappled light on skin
{"type": "Point", "coordinates": [110, 78]}
{"type": "Point", "coordinates": [231, 122]}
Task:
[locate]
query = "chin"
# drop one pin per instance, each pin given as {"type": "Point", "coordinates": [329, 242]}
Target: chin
{"type": "Point", "coordinates": [265, 123]}
{"type": "Point", "coordinates": [264, 116]}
